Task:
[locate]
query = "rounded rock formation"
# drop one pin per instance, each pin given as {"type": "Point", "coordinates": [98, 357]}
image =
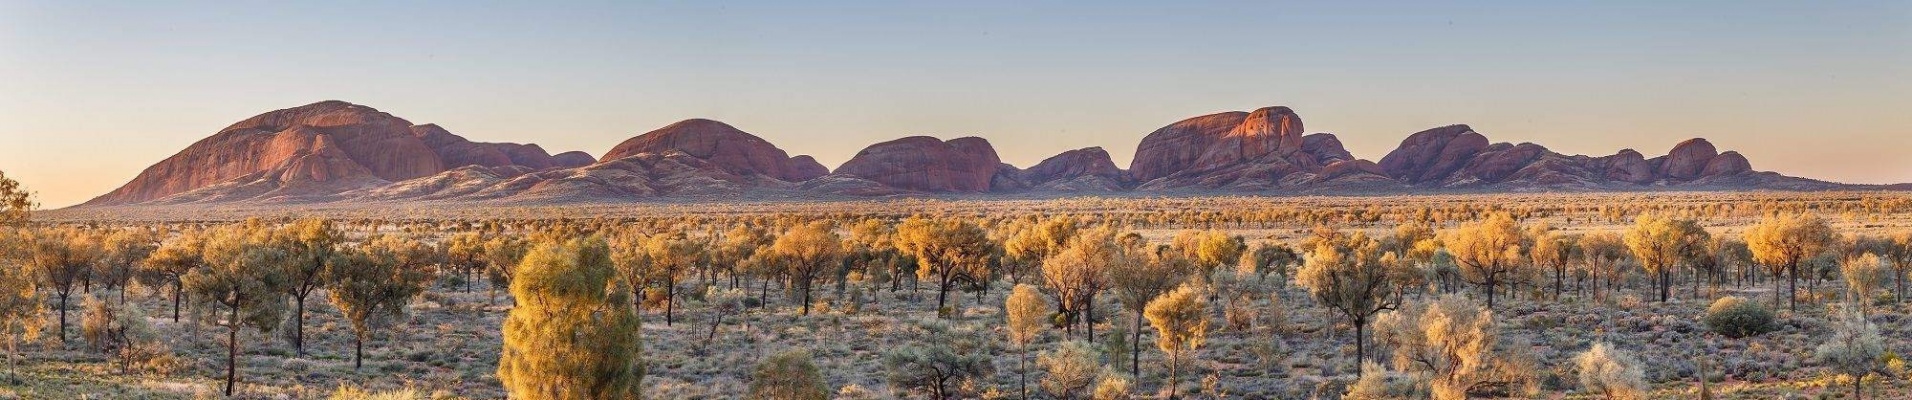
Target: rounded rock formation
{"type": "Point", "coordinates": [359, 143]}
{"type": "Point", "coordinates": [1072, 164]}
{"type": "Point", "coordinates": [1728, 163]}
{"type": "Point", "coordinates": [731, 149]}
{"type": "Point", "coordinates": [1217, 140]}
{"type": "Point", "coordinates": [1433, 154]}
{"type": "Point", "coordinates": [923, 163]}
{"type": "Point", "coordinates": [1688, 159]}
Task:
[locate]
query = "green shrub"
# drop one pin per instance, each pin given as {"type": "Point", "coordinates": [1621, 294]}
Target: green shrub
{"type": "Point", "coordinates": [1737, 318]}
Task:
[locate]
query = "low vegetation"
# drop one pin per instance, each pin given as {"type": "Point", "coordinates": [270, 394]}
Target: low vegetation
{"type": "Point", "coordinates": [1611, 297]}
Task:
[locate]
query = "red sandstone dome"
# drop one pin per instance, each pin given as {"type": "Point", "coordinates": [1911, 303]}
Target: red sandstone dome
{"type": "Point", "coordinates": [723, 145]}
{"type": "Point", "coordinates": [926, 164]}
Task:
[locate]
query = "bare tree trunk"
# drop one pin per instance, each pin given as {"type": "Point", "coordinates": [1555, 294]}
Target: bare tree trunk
{"type": "Point", "coordinates": [232, 347]}
{"type": "Point", "coordinates": [298, 329]}
{"type": "Point", "coordinates": [1135, 352]}
{"type": "Point", "coordinates": [62, 333]}
{"type": "Point", "coordinates": [358, 350]}
{"type": "Point", "coordinates": [177, 286]}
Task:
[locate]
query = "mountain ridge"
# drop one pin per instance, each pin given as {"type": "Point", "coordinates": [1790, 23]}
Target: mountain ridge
{"type": "Point", "coordinates": [339, 152]}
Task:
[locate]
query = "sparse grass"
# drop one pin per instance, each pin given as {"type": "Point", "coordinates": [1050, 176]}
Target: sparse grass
{"type": "Point", "coordinates": [447, 347]}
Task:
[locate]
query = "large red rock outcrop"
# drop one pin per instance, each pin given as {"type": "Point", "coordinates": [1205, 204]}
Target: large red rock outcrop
{"type": "Point", "coordinates": [723, 145]}
{"type": "Point", "coordinates": [1090, 161]}
{"type": "Point", "coordinates": [1433, 154]}
{"type": "Point", "coordinates": [316, 152]}
{"type": "Point", "coordinates": [1079, 170]}
{"type": "Point", "coordinates": [1217, 140]}
{"type": "Point", "coordinates": [1457, 157]}
{"type": "Point", "coordinates": [1728, 163]}
{"type": "Point", "coordinates": [356, 143]}
{"type": "Point", "coordinates": [1688, 159]}
{"type": "Point", "coordinates": [926, 164]}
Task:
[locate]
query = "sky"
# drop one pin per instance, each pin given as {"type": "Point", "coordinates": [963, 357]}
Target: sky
{"type": "Point", "coordinates": [91, 93]}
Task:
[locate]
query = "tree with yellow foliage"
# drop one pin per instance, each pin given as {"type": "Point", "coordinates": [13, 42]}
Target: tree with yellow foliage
{"type": "Point", "coordinates": [1024, 314]}
{"type": "Point", "coordinates": [1180, 318]}
{"type": "Point", "coordinates": [1660, 243]}
{"type": "Point", "coordinates": [1488, 251]}
{"type": "Point", "coordinates": [809, 250]}
{"type": "Point", "coordinates": [21, 310]}
{"type": "Point", "coordinates": [1782, 242]}
{"type": "Point", "coordinates": [574, 334]}
{"type": "Point", "coordinates": [246, 280]}
{"type": "Point", "coordinates": [1348, 275]}
{"type": "Point", "coordinates": [948, 251]}
{"type": "Point", "coordinates": [60, 258]}
{"type": "Point", "coordinates": [376, 279]}
{"type": "Point", "coordinates": [1077, 273]}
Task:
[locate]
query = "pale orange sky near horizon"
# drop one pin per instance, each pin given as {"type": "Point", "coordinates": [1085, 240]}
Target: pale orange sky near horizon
{"type": "Point", "coordinates": [1818, 90]}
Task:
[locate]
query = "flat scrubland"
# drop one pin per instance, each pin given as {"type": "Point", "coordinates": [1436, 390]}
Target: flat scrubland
{"type": "Point", "coordinates": [1271, 333]}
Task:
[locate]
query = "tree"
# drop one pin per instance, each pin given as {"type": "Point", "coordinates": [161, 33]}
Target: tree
{"type": "Point", "coordinates": [245, 278]}
{"type": "Point", "coordinates": [120, 331]}
{"type": "Point", "coordinates": [1209, 249]}
{"type": "Point", "coordinates": [375, 280]}
{"type": "Point", "coordinates": [1268, 258]}
{"type": "Point", "coordinates": [723, 302]}
{"type": "Point", "coordinates": [1077, 273]}
{"type": "Point", "coordinates": [1854, 349]}
{"type": "Point", "coordinates": [172, 261]}
{"type": "Point", "coordinates": [739, 244]}
{"type": "Point", "coordinates": [573, 334]}
{"type": "Point", "coordinates": [1554, 251]}
{"type": "Point", "coordinates": [1451, 340]}
{"type": "Point", "coordinates": [1348, 276]}
{"type": "Point", "coordinates": [1863, 275]}
{"type": "Point", "coordinates": [60, 259]}
{"type": "Point", "coordinates": [1030, 244]}
{"type": "Point", "coordinates": [503, 254]}
{"type": "Point", "coordinates": [789, 375]}
{"type": "Point", "coordinates": [1728, 255]}
{"type": "Point", "coordinates": [16, 203]}
{"type": "Point", "coordinates": [21, 309]}
{"type": "Point", "coordinates": [809, 249]}
{"type": "Point", "coordinates": [465, 255]}
{"type": "Point", "coordinates": [933, 367]}
{"type": "Point", "coordinates": [1141, 278]}
{"type": "Point", "coordinates": [1601, 253]}
{"type": "Point", "coordinates": [1024, 313]}
{"type": "Point", "coordinates": [308, 244]}
{"type": "Point", "coordinates": [1180, 318]}
{"type": "Point", "coordinates": [1899, 251]}
{"type": "Point", "coordinates": [1659, 243]}
{"type": "Point", "coordinates": [121, 253]}
{"type": "Point", "coordinates": [949, 251]}
{"type": "Point", "coordinates": [1488, 251]}
{"type": "Point", "coordinates": [1071, 368]}
{"type": "Point", "coordinates": [668, 256]}
{"type": "Point", "coordinates": [1614, 374]}
{"type": "Point", "coordinates": [1782, 242]}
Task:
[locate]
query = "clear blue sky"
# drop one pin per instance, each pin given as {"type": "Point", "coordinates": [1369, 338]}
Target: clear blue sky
{"type": "Point", "coordinates": [93, 92]}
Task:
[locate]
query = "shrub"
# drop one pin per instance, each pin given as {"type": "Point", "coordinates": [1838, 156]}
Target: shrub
{"type": "Point", "coordinates": [789, 375]}
{"type": "Point", "coordinates": [1113, 387]}
{"type": "Point", "coordinates": [353, 393]}
{"type": "Point", "coordinates": [1072, 368]}
{"type": "Point", "coordinates": [1377, 382]}
{"type": "Point", "coordinates": [1611, 372]}
{"type": "Point", "coordinates": [1854, 350]}
{"type": "Point", "coordinates": [1737, 318]}
{"type": "Point", "coordinates": [937, 367]}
